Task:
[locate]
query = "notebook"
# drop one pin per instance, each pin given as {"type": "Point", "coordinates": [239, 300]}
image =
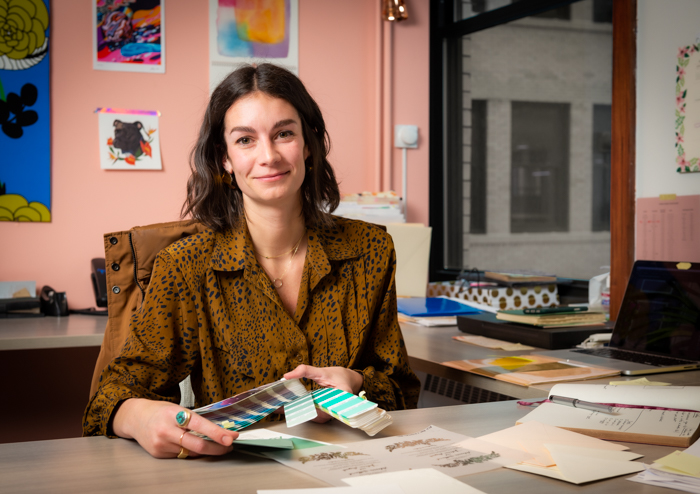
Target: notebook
{"type": "Point", "coordinates": [658, 327]}
{"type": "Point", "coordinates": [432, 307]}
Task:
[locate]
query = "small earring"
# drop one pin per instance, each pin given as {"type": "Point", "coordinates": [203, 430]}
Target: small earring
{"type": "Point", "coordinates": [227, 178]}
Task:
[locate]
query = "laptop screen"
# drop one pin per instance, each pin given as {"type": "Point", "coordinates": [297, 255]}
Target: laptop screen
{"type": "Point", "coordinates": [660, 312]}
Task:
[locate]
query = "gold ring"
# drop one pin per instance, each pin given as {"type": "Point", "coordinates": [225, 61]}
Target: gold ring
{"type": "Point", "coordinates": [183, 453]}
{"type": "Point", "coordinates": [183, 435]}
{"type": "Point", "coordinates": [183, 418]}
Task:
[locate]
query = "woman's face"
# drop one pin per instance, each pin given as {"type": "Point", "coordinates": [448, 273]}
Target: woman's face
{"type": "Point", "coordinates": [265, 150]}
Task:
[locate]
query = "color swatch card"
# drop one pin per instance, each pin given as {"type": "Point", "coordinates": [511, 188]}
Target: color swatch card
{"type": "Point", "coordinates": [246, 408]}
{"type": "Point", "coordinates": [352, 410]}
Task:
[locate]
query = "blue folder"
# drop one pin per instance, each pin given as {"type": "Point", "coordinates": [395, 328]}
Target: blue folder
{"type": "Point", "coordinates": [433, 307]}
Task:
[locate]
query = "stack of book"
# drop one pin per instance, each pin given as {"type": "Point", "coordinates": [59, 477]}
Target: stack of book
{"type": "Point", "coordinates": [554, 317]}
{"type": "Point", "coordinates": [515, 277]}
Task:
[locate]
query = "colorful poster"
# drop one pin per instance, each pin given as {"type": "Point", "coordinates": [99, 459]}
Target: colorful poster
{"type": "Point", "coordinates": [129, 139]}
{"type": "Point", "coordinates": [25, 123]}
{"type": "Point", "coordinates": [128, 35]}
{"type": "Point", "coordinates": [688, 109]}
{"type": "Point", "coordinates": [252, 31]}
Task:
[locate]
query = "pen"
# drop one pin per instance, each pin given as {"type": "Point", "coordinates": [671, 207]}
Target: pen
{"type": "Point", "coordinates": [554, 310]}
{"type": "Point", "coordinates": [585, 405]}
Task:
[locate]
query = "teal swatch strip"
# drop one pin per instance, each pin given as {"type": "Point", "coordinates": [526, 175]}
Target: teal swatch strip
{"type": "Point", "coordinates": [300, 410]}
{"type": "Point", "coordinates": [341, 404]}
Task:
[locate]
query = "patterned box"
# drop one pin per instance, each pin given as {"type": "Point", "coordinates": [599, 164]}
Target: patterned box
{"type": "Point", "coordinates": [500, 297]}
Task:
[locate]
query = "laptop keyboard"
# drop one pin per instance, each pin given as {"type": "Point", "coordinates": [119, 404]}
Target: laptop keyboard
{"type": "Point", "coordinates": [639, 358]}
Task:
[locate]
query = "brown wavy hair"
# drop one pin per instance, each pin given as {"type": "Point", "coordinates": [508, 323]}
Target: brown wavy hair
{"type": "Point", "coordinates": [218, 205]}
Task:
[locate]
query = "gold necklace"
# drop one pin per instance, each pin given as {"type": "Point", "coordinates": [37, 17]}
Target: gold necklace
{"type": "Point", "coordinates": [277, 282]}
{"type": "Point", "coordinates": [296, 246]}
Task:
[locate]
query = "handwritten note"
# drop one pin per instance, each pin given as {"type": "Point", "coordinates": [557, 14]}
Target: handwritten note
{"type": "Point", "coordinates": [649, 422]}
{"type": "Point", "coordinates": [430, 448]}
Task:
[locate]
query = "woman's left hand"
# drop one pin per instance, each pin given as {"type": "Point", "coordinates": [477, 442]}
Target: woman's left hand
{"type": "Point", "coordinates": [329, 377]}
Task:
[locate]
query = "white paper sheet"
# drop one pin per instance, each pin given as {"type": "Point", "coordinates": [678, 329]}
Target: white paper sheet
{"type": "Point", "coordinates": [370, 489]}
{"type": "Point", "coordinates": [418, 481]}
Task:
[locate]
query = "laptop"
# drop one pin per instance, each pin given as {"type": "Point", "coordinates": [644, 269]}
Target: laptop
{"type": "Point", "coordinates": [658, 327]}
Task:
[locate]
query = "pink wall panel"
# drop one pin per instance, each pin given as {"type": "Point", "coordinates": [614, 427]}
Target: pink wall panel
{"type": "Point", "coordinates": [337, 57]}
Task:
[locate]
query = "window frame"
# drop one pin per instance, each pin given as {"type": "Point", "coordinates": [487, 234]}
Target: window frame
{"type": "Point", "coordinates": [445, 43]}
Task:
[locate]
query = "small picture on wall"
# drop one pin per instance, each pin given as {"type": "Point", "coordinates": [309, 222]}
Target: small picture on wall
{"type": "Point", "coordinates": [240, 32]}
{"type": "Point", "coordinates": [129, 139]}
{"type": "Point", "coordinates": [688, 109]}
{"type": "Point", "coordinates": [128, 35]}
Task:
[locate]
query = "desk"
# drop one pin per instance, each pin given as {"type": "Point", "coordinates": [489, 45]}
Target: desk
{"type": "Point", "coordinates": [115, 465]}
{"type": "Point", "coordinates": [52, 359]}
{"type": "Point", "coordinates": [55, 356]}
{"type": "Point", "coordinates": [33, 333]}
{"type": "Point", "coordinates": [429, 346]}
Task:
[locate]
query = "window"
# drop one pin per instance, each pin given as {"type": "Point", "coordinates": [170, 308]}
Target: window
{"type": "Point", "coordinates": [522, 176]}
{"type": "Point", "coordinates": [601, 168]}
{"type": "Point", "coordinates": [539, 164]}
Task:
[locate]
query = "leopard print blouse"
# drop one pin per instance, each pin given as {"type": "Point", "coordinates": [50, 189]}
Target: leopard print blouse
{"type": "Point", "coordinates": [211, 312]}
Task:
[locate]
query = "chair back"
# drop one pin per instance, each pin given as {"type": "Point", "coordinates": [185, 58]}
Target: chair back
{"type": "Point", "coordinates": [129, 258]}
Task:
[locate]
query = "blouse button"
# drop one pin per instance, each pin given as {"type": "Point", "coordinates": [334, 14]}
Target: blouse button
{"type": "Point", "coordinates": [299, 358]}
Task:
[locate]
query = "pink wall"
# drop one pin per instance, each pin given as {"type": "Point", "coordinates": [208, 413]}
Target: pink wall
{"type": "Point", "coordinates": [338, 63]}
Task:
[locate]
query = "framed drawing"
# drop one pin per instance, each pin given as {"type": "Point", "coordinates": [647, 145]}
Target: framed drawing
{"type": "Point", "coordinates": [688, 109]}
{"type": "Point", "coordinates": [129, 139]}
{"type": "Point", "coordinates": [128, 35]}
{"type": "Point", "coordinates": [260, 31]}
{"type": "Point", "coordinates": [25, 121]}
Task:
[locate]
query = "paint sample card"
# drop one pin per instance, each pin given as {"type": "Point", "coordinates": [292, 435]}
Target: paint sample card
{"type": "Point", "coordinates": [300, 410]}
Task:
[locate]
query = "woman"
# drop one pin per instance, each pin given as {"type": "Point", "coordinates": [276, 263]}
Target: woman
{"type": "Point", "coordinates": [276, 287]}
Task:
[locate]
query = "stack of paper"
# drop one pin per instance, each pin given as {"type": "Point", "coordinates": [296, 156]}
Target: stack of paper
{"type": "Point", "coordinates": [352, 410]}
{"type": "Point", "coordinates": [565, 455]}
{"type": "Point", "coordinates": [680, 470]}
{"type": "Point", "coordinates": [374, 207]}
{"type": "Point", "coordinates": [526, 370]}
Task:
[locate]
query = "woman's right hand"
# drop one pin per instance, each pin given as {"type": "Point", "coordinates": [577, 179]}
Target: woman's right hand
{"type": "Point", "coordinates": [153, 425]}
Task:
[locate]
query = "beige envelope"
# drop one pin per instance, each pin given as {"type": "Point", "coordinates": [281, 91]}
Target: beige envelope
{"type": "Point", "coordinates": [580, 465]}
{"type": "Point", "coordinates": [412, 244]}
{"type": "Point", "coordinates": [531, 436]}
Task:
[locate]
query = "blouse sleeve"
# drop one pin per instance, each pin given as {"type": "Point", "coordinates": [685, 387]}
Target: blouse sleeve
{"type": "Point", "coordinates": [159, 352]}
{"type": "Point", "coordinates": [388, 378]}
